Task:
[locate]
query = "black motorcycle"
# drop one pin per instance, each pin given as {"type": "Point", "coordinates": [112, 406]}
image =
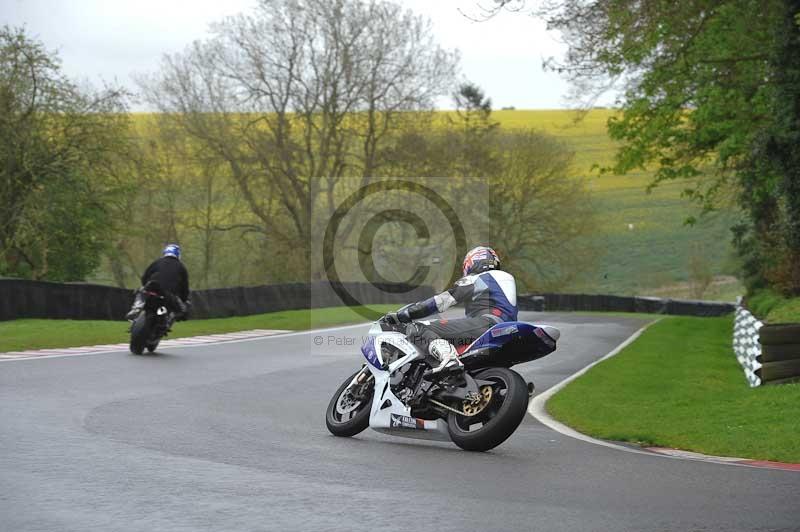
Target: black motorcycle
{"type": "Point", "coordinates": [153, 320]}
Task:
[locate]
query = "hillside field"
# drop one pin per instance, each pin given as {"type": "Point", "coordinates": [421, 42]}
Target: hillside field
{"type": "Point", "coordinates": [646, 246]}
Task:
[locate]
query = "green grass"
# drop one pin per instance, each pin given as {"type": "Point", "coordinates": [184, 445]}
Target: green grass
{"type": "Point", "coordinates": [645, 245]}
{"type": "Point", "coordinates": [679, 386]}
{"type": "Point", "coordinates": [19, 335]}
{"type": "Point", "coordinates": [774, 308]}
{"type": "Point", "coordinates": [788, 311]}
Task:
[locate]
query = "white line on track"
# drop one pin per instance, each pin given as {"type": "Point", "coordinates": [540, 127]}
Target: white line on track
{"type": "Point", "coordinates": [191, 341]}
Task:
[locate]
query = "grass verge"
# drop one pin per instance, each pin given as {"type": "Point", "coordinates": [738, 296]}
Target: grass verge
{"type": "Point", "coordinates": [679, 386]}
{"type": "Point", "coordinates": [774, 308]}
{"type": "Point", "coordinates": [20, 335]}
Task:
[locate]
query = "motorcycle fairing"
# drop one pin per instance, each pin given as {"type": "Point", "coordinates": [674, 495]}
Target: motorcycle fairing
{"type": "Point", "coordinates": [372, 347]}
{"type": "Point", "coordinates": [371, 354]}
{"type": "Point", "coordinates": [521, 342]}
{"type": "Point", "coordinates": [388, 413]}
{"type": "Point", "coordinates": [500, 334]}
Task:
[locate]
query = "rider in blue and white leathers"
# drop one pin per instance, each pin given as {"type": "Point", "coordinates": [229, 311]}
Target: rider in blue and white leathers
{"type": "Point", "coordinates": [490, 295]}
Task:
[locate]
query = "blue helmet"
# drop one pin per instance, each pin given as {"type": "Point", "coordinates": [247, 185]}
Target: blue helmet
{"type": "Point", "coordinates": [172, 250]}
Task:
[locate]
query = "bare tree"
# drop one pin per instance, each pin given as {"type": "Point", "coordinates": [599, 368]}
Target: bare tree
{"type": "Point", "coordinates": [300, 94]}
{"type": "Point", "coordinates": [523, 201]}
{"type": "Point", "coordinates": [483, 11]}
{"type": "Point", "coordinates": [541, 218]}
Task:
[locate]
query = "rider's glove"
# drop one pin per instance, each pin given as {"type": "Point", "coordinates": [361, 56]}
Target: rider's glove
{"type": "Point", "coordinates": [395, 318]}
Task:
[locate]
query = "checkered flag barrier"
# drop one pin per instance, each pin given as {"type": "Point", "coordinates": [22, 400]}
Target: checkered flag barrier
{"type": "Point", "coordinates": [745, 344]}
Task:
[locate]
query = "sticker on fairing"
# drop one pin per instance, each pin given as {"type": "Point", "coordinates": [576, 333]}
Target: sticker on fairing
{"type": "Point", "coordinates": [511, 329]}
{"type": "Point", "coordinates": [406, 422]}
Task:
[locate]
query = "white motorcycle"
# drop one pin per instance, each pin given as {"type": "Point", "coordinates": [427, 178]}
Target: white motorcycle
{"type": "Point", "coordinates": [478, 409]}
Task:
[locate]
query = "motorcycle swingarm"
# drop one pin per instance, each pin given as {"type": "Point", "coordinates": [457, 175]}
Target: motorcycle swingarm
{"type": "Point", "coordinates": [460, 393]}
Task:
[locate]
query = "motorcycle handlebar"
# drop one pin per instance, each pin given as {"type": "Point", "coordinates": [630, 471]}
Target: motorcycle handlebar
{"type": "Point", "coordinates": [389, 322]}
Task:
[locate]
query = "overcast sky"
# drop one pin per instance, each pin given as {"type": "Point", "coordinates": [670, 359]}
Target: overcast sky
{"type": "Point", "coordinates": [111, 39]}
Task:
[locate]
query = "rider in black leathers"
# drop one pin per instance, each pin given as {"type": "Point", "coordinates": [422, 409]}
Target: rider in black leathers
{"type": "Point", "coordinates": [172, 279]}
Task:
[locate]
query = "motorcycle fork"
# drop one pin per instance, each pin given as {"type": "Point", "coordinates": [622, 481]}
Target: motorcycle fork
{"type": "Point", "coordinates": [363, 377]}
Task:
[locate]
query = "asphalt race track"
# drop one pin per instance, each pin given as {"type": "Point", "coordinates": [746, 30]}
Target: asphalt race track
{"type": "Point", "coordinates": [232, 437]}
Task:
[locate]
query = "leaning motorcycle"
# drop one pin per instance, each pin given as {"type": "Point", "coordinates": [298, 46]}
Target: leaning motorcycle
{"type": "Point", "coordinates": [152, 322]}
{"type": "Point", "coordinates": [396, 393]}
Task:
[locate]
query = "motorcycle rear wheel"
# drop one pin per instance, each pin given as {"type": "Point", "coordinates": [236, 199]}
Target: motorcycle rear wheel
{"type": "Point", "coordinates": [140, 331]}
{"type": "Point", "coordinates": [499, 419]}
{"type": "Point", "coordinates": [347, 416]}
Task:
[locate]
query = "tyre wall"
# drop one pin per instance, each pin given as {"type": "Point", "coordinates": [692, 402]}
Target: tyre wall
{"type": "Point", "coordinates": [780, 352]}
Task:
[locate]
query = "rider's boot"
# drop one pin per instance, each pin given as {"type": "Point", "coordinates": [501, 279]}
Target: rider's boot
{"type": "Point", "coordinates": [446, 354]}
{"type": "Point", "coordinates": [138, 304]}
{"type": "Point", "coordinates": [180, 312]}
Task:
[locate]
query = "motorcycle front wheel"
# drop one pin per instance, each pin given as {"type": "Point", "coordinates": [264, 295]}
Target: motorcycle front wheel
{"type": "Point", "coordinates": [493, 422]}
{"type": "Point", "coordinates": [348, 411]}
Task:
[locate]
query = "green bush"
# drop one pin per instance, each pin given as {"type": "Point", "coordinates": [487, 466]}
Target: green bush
{"type": "Point", "coordinates": [774, 308]}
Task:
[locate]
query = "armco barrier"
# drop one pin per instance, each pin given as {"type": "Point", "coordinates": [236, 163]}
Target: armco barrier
{"type": "Point", "coordinates": [608, 303]}
{"type": "Point", "coordinates": [39, 299]}
{"type": "Point", "coordinates": [243, 301]}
